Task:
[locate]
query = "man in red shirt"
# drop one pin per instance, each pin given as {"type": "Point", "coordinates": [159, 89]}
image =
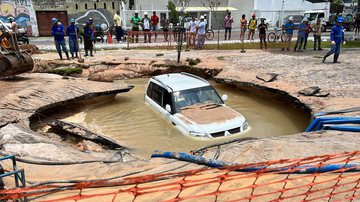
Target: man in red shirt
{"type": "Point", "coordinates": [307, 32]}
{"type": "Point", "coordinates": [154, 23]}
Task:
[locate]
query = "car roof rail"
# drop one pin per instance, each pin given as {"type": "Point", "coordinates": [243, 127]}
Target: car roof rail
{"type": "Point", "coordinates": [194, 76]}
{"type": "Point", "coordinates": [164, 85]}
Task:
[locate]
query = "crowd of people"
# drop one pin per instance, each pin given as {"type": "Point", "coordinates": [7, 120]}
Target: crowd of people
{"type": "Point", "coordinates": [304, 29]}
{"type": "Point", "coordinates": [197, 30]}
{"type": "Point", "coordinates": [149, 26]}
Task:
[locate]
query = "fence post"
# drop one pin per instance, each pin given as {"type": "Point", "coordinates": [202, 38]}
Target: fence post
{"type": "Point", "coordinates": [128, 40]}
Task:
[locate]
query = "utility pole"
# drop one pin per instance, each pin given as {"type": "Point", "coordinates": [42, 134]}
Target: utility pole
{"type": "Point", "coordinates": [180, 38]}
{"type": "Point", "coordinates": [283, 13]}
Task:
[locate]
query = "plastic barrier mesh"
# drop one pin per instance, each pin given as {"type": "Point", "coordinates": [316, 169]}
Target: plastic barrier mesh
{"type": "Point", "coordinates": [333, 177]}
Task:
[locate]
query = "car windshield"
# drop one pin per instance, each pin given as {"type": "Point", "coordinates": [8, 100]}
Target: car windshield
{"type": "Point", "coordinates": [310, 16]}
{"type": "Point", "coordinates": [197, 96]}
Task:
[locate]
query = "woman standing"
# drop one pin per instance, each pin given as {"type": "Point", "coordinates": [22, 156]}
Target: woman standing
{"type": "Point", "coordinates": [243, 26]}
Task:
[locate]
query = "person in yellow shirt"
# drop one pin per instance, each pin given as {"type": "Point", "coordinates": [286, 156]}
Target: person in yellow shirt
{"type": "Point", "coordinates": [243, 23]}
{"type": "Point", "coordinates": [252, 27]}
{"type": "Point", "coordinates": [118, 28]}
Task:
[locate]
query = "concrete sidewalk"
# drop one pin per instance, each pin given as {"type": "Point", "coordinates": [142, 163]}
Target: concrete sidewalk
{"type": "Point", "coordinates": [47, 43]}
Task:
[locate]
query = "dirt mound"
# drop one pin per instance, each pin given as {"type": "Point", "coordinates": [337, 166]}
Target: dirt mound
{"type": "Point", "coordinates": [31, 49]}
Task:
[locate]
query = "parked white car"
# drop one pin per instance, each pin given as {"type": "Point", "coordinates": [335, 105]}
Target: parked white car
{"type": "Point", "coordinates": [193, 106]}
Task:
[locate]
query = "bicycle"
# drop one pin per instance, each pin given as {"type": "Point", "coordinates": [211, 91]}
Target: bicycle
{"type": "Point", "coordinates": [209, 34]}
{"type": "Point", "coordinates": [276, 35]}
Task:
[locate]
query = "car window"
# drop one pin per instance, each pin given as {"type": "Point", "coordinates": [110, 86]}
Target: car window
{"type": "Point", "coordinates": [166, 99]}
{"type": "Point", "coordinates": [150, 89]}
{"type": "Point", "coordinates": [321, 15]}
{"type": "Point", "coordinates": [310, 16]}
{"type": "Point", "coordinates": [157, 94]}
{"type": "Point", "coordinates": [298, 18]}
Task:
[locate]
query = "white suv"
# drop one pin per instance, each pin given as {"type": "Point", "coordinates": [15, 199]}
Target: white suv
{"type": "Point", "coordinates": [193, 106]}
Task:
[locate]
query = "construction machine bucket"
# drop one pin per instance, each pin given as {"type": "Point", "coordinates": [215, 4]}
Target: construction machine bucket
{"type": "Point", "coordinates": [12, 64]}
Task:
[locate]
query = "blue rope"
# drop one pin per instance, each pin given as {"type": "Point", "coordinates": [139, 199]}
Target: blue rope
{"type": "Point", "coordinates": [221, 164]}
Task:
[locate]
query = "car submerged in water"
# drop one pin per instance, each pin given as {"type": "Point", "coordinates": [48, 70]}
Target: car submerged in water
{"type": "Point", "coordinates": [193, 106]}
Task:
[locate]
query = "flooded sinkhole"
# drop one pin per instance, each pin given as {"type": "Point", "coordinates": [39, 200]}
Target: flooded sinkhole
{"type": "Point", "coordinates": [127, 119]}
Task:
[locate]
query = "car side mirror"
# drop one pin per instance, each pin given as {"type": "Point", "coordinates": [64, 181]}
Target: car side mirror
{"type": "Point", "coordinates": [224, 97]}
{"type": "Point", "coordinates": [168, 108]}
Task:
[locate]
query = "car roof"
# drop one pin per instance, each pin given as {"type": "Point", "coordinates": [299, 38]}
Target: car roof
{"type": "Point", "coordinates": [181, 81]}
{"type": "Point", "coordinates": [314, 11]}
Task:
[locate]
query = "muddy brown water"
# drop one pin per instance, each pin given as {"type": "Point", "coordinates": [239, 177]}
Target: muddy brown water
{"type": "Point", "coordinates": [132, 123]}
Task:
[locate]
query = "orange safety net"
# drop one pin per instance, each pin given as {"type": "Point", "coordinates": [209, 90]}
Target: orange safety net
{"type": "Point", "coordinates": [280, 180]}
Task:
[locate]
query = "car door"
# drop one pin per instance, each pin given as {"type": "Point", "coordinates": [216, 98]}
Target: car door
{"type": "Point", "coordinates": [155, 96]}
{"type": "Point", "coordinates": [158, 97]}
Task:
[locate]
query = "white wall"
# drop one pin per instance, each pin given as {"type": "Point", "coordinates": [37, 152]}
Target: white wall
{"type": "Point", "coordinates": [244, 7]}
{"type": "Point", "coordinates": [272, 9]}
{"type": "Point", "coordinates": [288, 5]}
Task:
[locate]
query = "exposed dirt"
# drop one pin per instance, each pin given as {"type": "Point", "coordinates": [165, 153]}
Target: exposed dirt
{"type": "Point", "coordinates": [31, 49]}
{"type": "Point", "coordinates": [109, 67]}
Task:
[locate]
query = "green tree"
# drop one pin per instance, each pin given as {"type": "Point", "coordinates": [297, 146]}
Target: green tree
{"type": "Point", "coordinates": [336, 6]}
{"type": "Point", "coordinates": [174, 15]}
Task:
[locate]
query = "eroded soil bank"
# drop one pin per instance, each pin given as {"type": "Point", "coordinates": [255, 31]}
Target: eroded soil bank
{"type": "Point", "coordinates": [296, 72]}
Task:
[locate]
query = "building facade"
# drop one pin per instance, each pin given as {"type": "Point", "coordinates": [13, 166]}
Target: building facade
{"type": "Point", "coordinates": [102, 11]}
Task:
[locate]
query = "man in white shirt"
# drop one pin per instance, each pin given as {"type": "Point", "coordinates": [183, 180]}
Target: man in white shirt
{"type": "Point", "coordinates": [206, 21]}
{"type": "Point", "coordinates": [146, 27]}
{"type": "Point", "coordinates": [201, 27]}
{"type": "Point", "coordinates": [192, 32]}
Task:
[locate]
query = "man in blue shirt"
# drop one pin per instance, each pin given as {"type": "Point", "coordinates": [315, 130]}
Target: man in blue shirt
{"type": "Point", "coordinates": [337, 38]}
{"type": "Point", "coordinates": [301, 34]}
{"type": "Point", "coordinates": [289, 30]}
{"type": "Point", "coordinates": [201, 27]}
{"type": "Point", "coordinates": [58, 32]}
{"type": "Point", "coordinates": [72, 31]}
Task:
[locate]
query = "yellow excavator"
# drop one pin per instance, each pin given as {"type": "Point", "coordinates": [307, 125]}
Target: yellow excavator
{"type": "Point", "coordinates": [12, 60]}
